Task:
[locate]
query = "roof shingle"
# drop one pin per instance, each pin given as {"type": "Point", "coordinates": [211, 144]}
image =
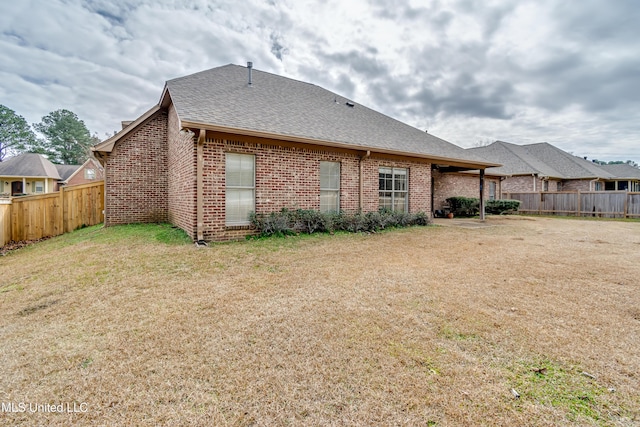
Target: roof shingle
{"type": "Point", "coordinates": [278, 105]}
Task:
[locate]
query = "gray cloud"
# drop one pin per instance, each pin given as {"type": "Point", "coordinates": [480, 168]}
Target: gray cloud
{"type": "Point", "coordinates": [521, 71]}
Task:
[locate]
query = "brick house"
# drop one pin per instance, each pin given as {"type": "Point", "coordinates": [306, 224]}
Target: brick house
{"type": "Point", "coordinates": [90, 171]}
{"type": "Point", "coordinates": [230, 140]}
{"type": "Point", "coordinates": [541, 167]}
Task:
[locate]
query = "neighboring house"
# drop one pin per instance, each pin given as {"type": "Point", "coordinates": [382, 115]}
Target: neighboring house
{"type": "Point", "coordinates": [27, 173]}
{"type": "Point", "coordinates": [90, 171]}
{"type": "Point", "coordinates": [541, 167]}
{"type": "Point", "coordinates": [231, 140]}
{"type": "Point", "coordinates": [626, 178]}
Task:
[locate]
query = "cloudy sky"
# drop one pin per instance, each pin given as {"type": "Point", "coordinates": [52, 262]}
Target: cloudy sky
{"type": "Point", "coordinates": [469, 71]}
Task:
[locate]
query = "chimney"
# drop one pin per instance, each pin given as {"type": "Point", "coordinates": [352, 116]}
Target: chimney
{"type": "Point", "coordinates": [250, 67]}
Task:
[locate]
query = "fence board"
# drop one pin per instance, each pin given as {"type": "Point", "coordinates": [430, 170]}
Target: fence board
{"type": "Point", "coordinates": [5, 222]}
{"type": "Point", "coordinates": [608, 204]}
{"type": "Point", "coordinates": [52, 214]}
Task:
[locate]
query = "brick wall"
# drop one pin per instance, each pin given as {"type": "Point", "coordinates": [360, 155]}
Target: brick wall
{"type": "Point", "coordinates": [289, 177]}
{"type": "Point", "coordinates": [576, 185]}
{"type": "Point", "coordinates": [521, 184]}
{"type": "Point", "coordinates": [463, 185]}
{"type": "Point", "coordinates": [136, 175]}
{"type": "Point", "coordinates": [181, 167]}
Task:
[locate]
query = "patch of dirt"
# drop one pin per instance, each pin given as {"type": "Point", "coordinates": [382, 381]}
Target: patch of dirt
{"type": "Point", "coordinates": [12, 246]}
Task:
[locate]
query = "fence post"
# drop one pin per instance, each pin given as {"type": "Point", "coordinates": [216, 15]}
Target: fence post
{"type": "Point", "coordinates": [61, 217]}
{"type": "Point", "coordinates": [540, 203]}
{"type": "Point", "coordinates": [579, 204]}
{"type": "Point", "coordinates": [626, 205]}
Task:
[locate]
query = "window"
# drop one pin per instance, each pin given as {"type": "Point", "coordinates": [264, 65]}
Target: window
{"type": "Point", "coordinates": [545, 185]}
{"type": "Point", "coordinates": [610, 186]}
{"type": "Point", "coordinates": [623, 185]}
{"type": "Point", "coordinates": [393, 194]}
{"type": "Point", "coordinates": [598, 186]}
{"type": "Point", "coordinates": [240, 188]}
{"type": "Point", "coordinates": [329, 186]}
{"type": "Point", "coordinates": [492, 190]}
{"type": "Point", "coordinates": [89, 174]}
{"type": "Point", "coordinates": [38, 186]}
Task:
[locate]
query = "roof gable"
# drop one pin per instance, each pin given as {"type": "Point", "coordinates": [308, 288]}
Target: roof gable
{"type": "Point", "coordinates": [29, 165]}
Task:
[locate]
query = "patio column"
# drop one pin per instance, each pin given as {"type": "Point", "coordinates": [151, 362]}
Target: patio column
{"type": "Point", "coordinates": [24, 185]}
{"type": "Point", "coordinates": [481, 194]}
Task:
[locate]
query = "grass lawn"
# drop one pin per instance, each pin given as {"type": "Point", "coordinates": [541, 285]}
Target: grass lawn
{"type": "Point", "coordinates": [428, 326]}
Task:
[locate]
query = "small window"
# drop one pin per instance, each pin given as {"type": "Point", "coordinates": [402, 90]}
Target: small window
{"type": "Point", "coordinates": [393, 189]}
{"type": "Point", "coordinates": [89, 174]}
{"type": "Point", "coordinates": [598, 186]}
{"type": "Point", "coordinates": [623, 185]}
{"type": "Point", "coordinates": [240, 188]}
{"type": "Point", "coordinates": [38, 187]}
{"type": "Point", "coordinates": [329, 186]}
{"type": "Point", "coordinates": [492, 190]}
{"type": "Point", "coordinates": [545, 185]}
{"type": "Point", "coordinates": [610, 186]}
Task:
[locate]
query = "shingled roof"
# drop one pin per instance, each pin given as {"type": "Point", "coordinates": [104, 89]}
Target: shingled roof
{"type": "Point", "coordinates": [65, 171]}
{"type": "Point", "coordinates": [622, 171]}
{"type": "Point", "coordinates": [542, 159]}
{"type": "Point", "coordinates": [29, 165]}
{"type": "Point", "coordinates": [283, 108]}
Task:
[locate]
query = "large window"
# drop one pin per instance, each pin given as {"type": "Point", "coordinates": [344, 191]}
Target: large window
{"type": "Point", "coordinates": [240, 188]}
{"type": "Point", "coordinates": [393, 189]}
{"type": "Point", "coordinates": [329, 186]}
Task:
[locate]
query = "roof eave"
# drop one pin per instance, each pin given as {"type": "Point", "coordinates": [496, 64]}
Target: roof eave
{"type": "Point", "coordinates": [190, 124]}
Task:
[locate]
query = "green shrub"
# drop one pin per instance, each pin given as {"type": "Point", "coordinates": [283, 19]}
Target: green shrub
{"type": "Point", "coordinates": [464, 206]}
{"type": "Point", "coordinates": [470, 206]}
{"type": "Point", "coordinates": [309, 221]}
{"type": "Point", "coordinates": [502, 207]}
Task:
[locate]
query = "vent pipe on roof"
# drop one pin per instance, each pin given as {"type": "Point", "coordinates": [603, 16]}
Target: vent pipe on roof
{"type": "Point", "coordinates": [250, 67]}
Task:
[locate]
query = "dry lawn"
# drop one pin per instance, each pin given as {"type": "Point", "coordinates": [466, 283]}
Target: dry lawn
{"type": "Point", "coordinates": [426, 326]}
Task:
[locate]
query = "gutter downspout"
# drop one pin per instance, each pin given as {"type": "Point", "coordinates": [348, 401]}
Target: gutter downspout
{"type": "Point", "coordinates": [361, 167]}
{"type": "Point", "coordinates": [200, 186]}
{"type": "Point", "coordinates": [534, 182]}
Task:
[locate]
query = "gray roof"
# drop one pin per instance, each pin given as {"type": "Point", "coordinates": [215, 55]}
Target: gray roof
{"type": "Point", "coordinates": [29, 165]}
{"type": "Point", "coordinates": [65, 171]}
{"type": "Point", "coordinates": [622, 171]}
{"type": "Point", "coordinates": [290, 108]}
{"type": "Point", "coordinates": [542, 159]}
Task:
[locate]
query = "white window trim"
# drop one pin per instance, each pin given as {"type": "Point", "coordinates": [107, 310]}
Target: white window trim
{"type": "Point", "coordinates": [228, 222]}
{"type": "Point", "coordinates": [393, 191]}
{"type": "Point", "coordinates": [332, 190]}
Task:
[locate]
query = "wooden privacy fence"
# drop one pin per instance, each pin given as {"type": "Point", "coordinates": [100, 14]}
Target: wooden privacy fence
{"type": "Point", "coordinates": [51, 214]}
{"type": "Point", "coordinates": [606, 204]}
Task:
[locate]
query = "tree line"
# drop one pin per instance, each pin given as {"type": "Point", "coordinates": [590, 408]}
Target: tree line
{"type": "Point", "coordinates": [63, 138]}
